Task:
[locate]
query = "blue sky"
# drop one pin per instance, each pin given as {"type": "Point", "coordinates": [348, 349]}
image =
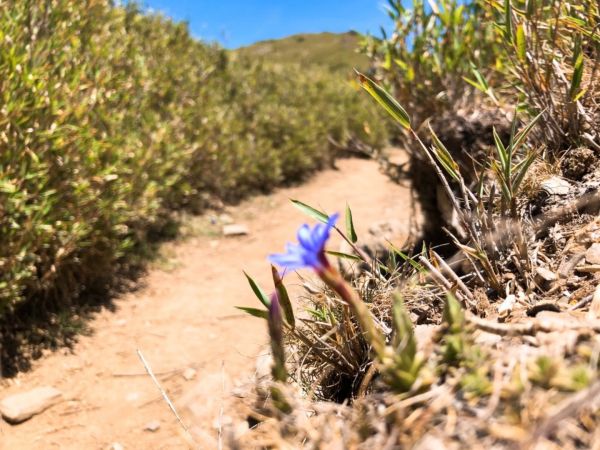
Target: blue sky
{"type": "Point", "coordinates": [236, 23]}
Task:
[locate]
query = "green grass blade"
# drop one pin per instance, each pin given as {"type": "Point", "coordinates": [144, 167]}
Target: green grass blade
{"type": "Point", "coordinates": [260, 313]}
{"type": "Point", "coordinates": [521, 43]}
{"type": "Point", "coordinates": [260, 294]}
{"type": "Point", "coordinates": [501, 150]}
{"type": "Point", "coordinates": [310, 211]}
{"type": "Point", "coordinates": [350, 231]}
{"type": "Point", "coordinates": [444, 157]}
{"type": "Point", "coordinates": [520, 137]}
{"type": "Point", "coordinates": [386, 100]}
{"type": "Point", "coordinates": [508, 24]}
{"type": "Point", "coordinates": [577, 75]}
{"type": "Point", "coordinates": [343, 255]}
{"type": "Point", "coordinates": [284, 298]}
{"type": "Point", "coordinates": [522, 171]}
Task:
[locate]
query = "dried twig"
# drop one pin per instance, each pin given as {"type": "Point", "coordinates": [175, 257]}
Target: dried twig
{"type": "Point", "coordinates": [531, 327]}
{"type": "Point", "coordinates": [165, 396]}
{"type": "Point", "coordinates": [454, 277]}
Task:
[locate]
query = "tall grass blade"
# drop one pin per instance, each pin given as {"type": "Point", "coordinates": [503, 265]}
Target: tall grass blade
{"type": "Point", "coordinates": [350, 231]}
{"type": "Point", "coordinates": [260, 294]}
{"type": "Point", "coordinates": [386, 100]}
{"type": "Point", "coordinates": [310, 211]}
{"type": "Point", "coordinates": [284, 298]}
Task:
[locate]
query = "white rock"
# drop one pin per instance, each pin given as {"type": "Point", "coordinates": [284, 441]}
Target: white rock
{"type": "Point", "coordinates": [546, 274]}
{"type": "Point", "coordinates": [189, 374]}
{"type": "Point", "coordinates": [556, 186]}
{"type": "Point", "coordinates": [235, 230]}
{"type": "Point", "coordinates": [592, 255]}
{"type": "Point", "coordinates": [116, 446]}
{"type": "Point", "coordinates": [507, 305]}
{"type": "Point", "coordinates": [20, 407]}
{"type": "Point", "coordinates": [152, 426]}
{"type": "Point", "coordinates": [241, 428]}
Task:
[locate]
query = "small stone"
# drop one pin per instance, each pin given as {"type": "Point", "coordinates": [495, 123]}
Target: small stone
{"type": "Point", "coordinates": [592, 255]}
{"type": "Point", "coordinates": [152, 426]}
{"type": "Point", "coordinates": [241, 428]}
{"type": "Point", "coordinates": [117, 446]}
{"type": "Point", "coordinates": [545, 274]}
{"type": "Point", "coordinates": [506, 307]}
{"type": "Point", "coordinates": [486, 339]}
{"type": "Point", "coordinates": [595, 305]}
{"type": "Point", "coordinates": [545, 278]}
{"type": "Point", "coordinates": [235, 230]}
{"type": "Point", "coordinates": [240, 392]}
{"type": "Point", "coordinates": [189, 374]}
{"type": "Point", "coordinates": [556, 186]}
{"type": "Point", "coordinates": [20, 407]}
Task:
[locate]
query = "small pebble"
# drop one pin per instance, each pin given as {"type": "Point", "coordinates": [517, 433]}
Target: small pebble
{"type": "Point", "coordinates": [556, 186]}
{"type": "Point", "coordinates": [152, 426]}
{"type": "Point", "coordinates": [235, 230]}
{"type": "Point", "coordinates": [189, 374]}
{"type": "Point", "coordinates": [592, 255]}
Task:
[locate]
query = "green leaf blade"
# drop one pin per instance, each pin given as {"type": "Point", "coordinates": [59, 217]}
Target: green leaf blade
{"type": "Point", "coordinates": [260, 294]}
{"type": "Point", "coordinates": [389, 103]}
{"type": "Point", "coordinates": [284, 298]}
{"type": "Point", "coordinates": [310, 211]}
{"type": "Point", "coordinates": [254, 312]}
{"type": "Point", "coordinates": [350, 231]}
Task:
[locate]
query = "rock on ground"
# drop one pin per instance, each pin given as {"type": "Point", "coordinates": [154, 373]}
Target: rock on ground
{"type": "Point", "coordinates": [20, 407]}
{"type": "Point", "coordinates": [235, 230]}
{"type": "Point", "coordinates": [592, 255]}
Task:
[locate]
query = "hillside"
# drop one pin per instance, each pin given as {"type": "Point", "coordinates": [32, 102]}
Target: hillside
{"type": "Point", "coordinates": [333, 50]}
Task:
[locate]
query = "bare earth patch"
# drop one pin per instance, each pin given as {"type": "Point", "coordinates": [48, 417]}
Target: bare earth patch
{"type": "Point", "coordinates": [183, 320]}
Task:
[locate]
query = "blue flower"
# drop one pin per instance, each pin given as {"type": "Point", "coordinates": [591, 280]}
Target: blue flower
{"type": "Point", "coordinates": [310, 250]}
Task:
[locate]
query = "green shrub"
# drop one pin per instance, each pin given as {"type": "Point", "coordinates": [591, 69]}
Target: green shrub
{"type": "Point", "coordinates": [111, 118]}
{"type": "Point", "coordinates": [552, 50]}
{"type": "Point", "coordinates": [433, 47]}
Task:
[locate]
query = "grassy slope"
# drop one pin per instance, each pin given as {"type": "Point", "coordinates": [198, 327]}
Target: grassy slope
{"type": "Point", "coordinates": [335, 51]}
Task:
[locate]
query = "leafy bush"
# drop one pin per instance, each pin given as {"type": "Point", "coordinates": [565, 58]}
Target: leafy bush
{"type": "Point", "coordinates": [552, 50]}
{"type": "Point", "coordinates": [111, 118]}
{"type": "Point", "coordinates": [433, 47]}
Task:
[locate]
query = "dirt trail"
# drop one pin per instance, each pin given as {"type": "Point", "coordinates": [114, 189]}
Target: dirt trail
{"type": "Point", "coordinates": [183, 317]}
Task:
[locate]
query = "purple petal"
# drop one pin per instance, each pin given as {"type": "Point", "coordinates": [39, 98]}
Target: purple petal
{"type": "Point", "coordinates": [305, 236]}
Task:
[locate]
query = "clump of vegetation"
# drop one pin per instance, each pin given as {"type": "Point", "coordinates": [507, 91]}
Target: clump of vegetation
{"type": "Point", "coordinates": [111, 119]}
{"type": "Point", "coordinates": [503, 354]}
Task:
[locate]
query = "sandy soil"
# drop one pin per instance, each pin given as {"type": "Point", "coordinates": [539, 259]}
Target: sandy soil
{"type": "Point", "coordinates": [183, 317]}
